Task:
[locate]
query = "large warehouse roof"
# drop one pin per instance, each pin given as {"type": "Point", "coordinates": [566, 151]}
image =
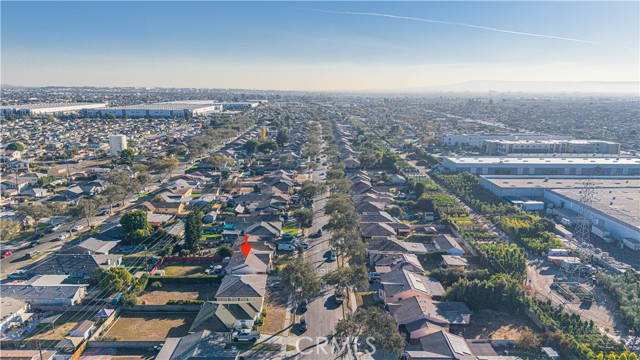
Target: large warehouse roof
{"type": "Point", "coordinates": [560, 182]}
{"type": "Point", "coordinates": [40, 106]}
{"type": "Point", "coordinates": [166, 106]}
{"type": "Point", "coordinates": [621, 203]}
{"type": "Point", "coordinates": [550, 160]}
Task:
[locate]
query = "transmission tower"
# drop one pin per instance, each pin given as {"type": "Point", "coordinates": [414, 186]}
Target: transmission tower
{"type": "Point", "coordinates": [587, 194]}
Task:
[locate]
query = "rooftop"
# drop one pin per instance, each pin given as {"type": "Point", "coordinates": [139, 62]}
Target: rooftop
{"type": "Point", "coordinates": [550, 160]}
{"type": "Point", "coordinates": [560, 182]}
{"type": "Point", "coordinates": [620, 203]}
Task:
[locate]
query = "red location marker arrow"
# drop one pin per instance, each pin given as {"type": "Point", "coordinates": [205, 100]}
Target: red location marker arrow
{"type": "Point", "coordinates": [246, 248]}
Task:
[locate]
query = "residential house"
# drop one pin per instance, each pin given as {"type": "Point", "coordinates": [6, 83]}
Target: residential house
{"type": "Point", "coordinates": [384, 263]}
{"type": "Point", "coordinates": [237, 289]}
{"type": "Point", "coordinates": [454, 262]}
{"type": "Point", "coordinates": [173, 208]}
{"type": "Point", "coordinates": [370, 230]}
{"type": "Point", "coordinates": [449, 244]}
{"type": "Point", "coordinates": [75, 265]}
{"type": "Point", "coordinates": [391, 245]}
{"type": "Point", "coordinates": [37, 354]}
{"type": "Point", "coordinates": [201, 345]}
{"type": "Point", "coordinates": [256, 262]}
{"type": "Point", "coordinates": [223, 318]}
{"type": "Point", "coordinates": [12, 312]}
{"type": "Point", "coordinates": [403, 284]}
{"type": "Point", "coordinates": [440, 345]}
{"type": "Point", "coordinates": [100, 244]}
{"type": "Point", "coordinates": [419, 316]}
{"type": "Point", "coordinates": [83, 329]}
{"type": "Point", "coordinates": [351, 162]}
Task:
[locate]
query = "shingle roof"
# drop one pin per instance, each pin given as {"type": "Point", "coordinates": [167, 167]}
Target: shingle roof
{"type": "Point", "coordinates": [242, 286]}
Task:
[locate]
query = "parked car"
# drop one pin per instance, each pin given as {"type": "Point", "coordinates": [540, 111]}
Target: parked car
{"type": "Point", "coordinates": [304, 244]}
{"type": "Point", "coordinates": [287, 237]}
{"type": "Point", "coordinates": [374, 277]}
{"type": "Point", "coordinates": [333, 255]}
{"type": "Point", "coordinates": [338, 297]}
{"type": "Point", "coordinates": [33, 244]}
{"type": "Point", "coordinates": [62, 236]}
{"type": "Point", "coordinates": [304, 305]}
{"type": "Point", "coordinates": [18, 274]}
{"type": "Point", "coordinates": [303, 325]}
{"type": "Point", "coordinates": [32, 254]}
{"type": "Point", "coordinates": [286, 247]}
{"type": "Point", "coordinates": [77, 228]}
{"type": "Point", "coordinates": [6, 254]}
{"type": "Point", "coordinates": [103, 212]}
{"type": "Point", "coordinates": [245, 335]}
{"type": "Point", "coordinates": [317, 234]}
{"type": "Point", "coordinates": [55, 228]}
{"type": "Point", "coordinates": [276, 285]}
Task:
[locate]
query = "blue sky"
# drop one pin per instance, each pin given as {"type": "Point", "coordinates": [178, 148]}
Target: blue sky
{"type": "Point", "coordinates": [316, 45]}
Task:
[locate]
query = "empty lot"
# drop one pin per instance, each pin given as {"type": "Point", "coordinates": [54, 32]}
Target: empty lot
{"type": "Point", "coordinates": [150, 326]}
{"type": "Point", "coordinates": [160, 296]}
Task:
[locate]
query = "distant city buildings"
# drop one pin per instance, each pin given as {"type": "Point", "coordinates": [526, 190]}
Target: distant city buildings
{"type": "Point", "coordinates": [117, 143]}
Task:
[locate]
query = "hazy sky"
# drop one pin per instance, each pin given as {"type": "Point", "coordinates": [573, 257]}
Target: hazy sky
{"type": "Point", "coordinates": [316, 45]}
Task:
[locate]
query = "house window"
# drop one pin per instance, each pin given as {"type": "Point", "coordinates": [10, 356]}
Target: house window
{"type": "Point", "coordinates": [228, 299]}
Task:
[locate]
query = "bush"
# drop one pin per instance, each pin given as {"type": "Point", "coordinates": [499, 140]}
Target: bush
{"type": "Point", "coordinates": [187, 280]}
{"type": "Point", "coordinates": [128, 300]}
{"type": "Point", "coordinates": [185, 302]}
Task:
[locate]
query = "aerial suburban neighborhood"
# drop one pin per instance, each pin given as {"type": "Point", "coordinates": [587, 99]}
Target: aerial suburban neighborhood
{"type": "Point", "coordinates": [283, 227]}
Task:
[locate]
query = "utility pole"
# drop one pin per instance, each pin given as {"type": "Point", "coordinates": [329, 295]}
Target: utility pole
{"type": "Point", "coordinates": [583, 226]}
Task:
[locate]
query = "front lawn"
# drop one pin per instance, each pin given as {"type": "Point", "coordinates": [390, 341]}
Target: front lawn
{"type": "Point", "coordinates": [291, 230]}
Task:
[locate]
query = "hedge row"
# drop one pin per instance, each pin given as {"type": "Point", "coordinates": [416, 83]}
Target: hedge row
{"type": "Point", "coordinates": [186, 280]}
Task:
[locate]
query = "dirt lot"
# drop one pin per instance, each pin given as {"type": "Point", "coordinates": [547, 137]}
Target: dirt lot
{"type": "Point", "coordinates": [487, 324]}
{"type": "Point", "coordinates": [601, 311]}
{"type": "Point", "coordinates": [276, 305]}
{"type": "Point", "coordinates": [185, 270]}
{"type": "Point", "coordinates": [117, 353]}
{"type": "Point", "coordinates": [62, 326]}
{"type": "Point", "coordinates": [160, 296]}
{"type": "Point", "coordinates": [150, 326]}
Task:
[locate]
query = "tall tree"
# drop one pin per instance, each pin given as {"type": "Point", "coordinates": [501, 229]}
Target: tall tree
{"type": "Point", "coordinates": [86, 208]}
{"type": "Point", "coordinates": [372, 325]}
{"type": "Point", "coordinates": [282, 137]}
{"type": "Point", "coordinates": [300, 280]}
{"type": "Point", "coordinates": [193, 230]}
{"type": "Point", "coordinates": [135, 224]}
{"type": "Point", "coordinates": [126, 156]}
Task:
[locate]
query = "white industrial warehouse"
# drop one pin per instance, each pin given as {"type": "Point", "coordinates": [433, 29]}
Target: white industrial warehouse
{"type": "Point", "coordinates": [50, 108]}
{"type": "Point", "coordinates": [551, 165]}
{"type": "Point", "coordinates": [165, 109]}
{"type": "Point", "coordinates": [505, 147]}
{"type": "Point", "coordinates": [614, 210]}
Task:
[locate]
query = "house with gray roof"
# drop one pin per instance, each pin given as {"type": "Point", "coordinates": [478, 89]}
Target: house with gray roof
{"type": "Point", "coordinates": [384, 263]}
{"type": "Point", "coordinates": [442, 345]}
{"type": "Point", "coordinates": [75, 265]}
{"type": "Point", "coordinates": [201, 345]}
{"type": "Point", "coordinates": [418, 316]}
{"type": "Point", "coordinates": [257, 262]}
{"type": "Point", "coordinates": [402, 284]}
{"type": "Point", "coordinates": [225, 318]}
{"type": "Point", "coordinates": [237, 289]}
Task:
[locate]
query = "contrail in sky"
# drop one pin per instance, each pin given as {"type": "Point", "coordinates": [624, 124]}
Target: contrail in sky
{"type": "Point", "coordinates": [472, 26]}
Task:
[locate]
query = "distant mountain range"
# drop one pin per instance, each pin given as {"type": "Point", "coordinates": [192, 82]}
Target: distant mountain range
{"type": "Point", "coordinates": [622, 87]}
{"type": "Point", "coordinates": [484, 86]}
